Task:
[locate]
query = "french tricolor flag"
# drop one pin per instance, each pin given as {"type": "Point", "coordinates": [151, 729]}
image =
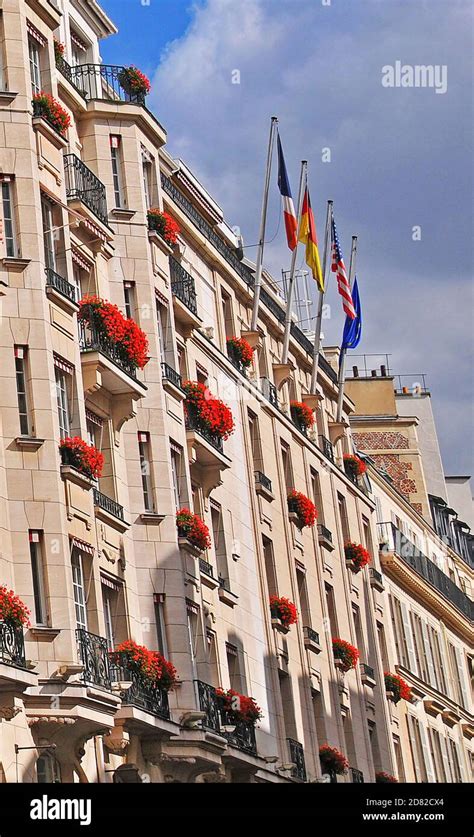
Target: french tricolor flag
{"type": "Point", "coordinates": [289, 214]}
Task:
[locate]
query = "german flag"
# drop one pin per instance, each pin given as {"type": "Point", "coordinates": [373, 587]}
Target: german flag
{"type": "Point", "coordinates": [307, 235]}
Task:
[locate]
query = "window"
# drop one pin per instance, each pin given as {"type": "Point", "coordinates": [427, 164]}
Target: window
{"type": "Point", "coordinates": [145, 465]}
{"type": "Point", "coordinates": [438, 660]}
{"type": "Point", "coordinates": [63, 402]}
{"type": "Point", "coordinates": [227, 317]}
{"type": "Point", "coordinates": [160, 624]}
{"type": "Point", "coordinates": [109, 600]}
{"type": "Point", "coordinates": [303, 597]}
{"type": "Point", "coordinates": [233, 666]}
{"type": "Point", "coordinates": [35, 70]}
{"type": "Point", "coordinates": [37, 574]}
{"type": "Point", "coordinates": [398, 633]}
{"type": "Point", "coordinates": [193, 615]}
{"type": "Point", "coordinates": [270, 569]}
{"type": "Point", "coordinates": [287, 468]}
{"type": "Point", "coordinates": [117, 171]}
{"type": "Point", "coordinates": [453, 756]}
{"type": "Point", "coordinates": [359, 634]}
{"type": "Point", "coordinates": [21, 388]}
{"type": "Point", "coordinates": [331, 607]}
{"type": "Point", "coordinates": [162, 322]}
{"type": "Point", "coordinates": [48, 234]}
{"type": "Point", "coordinates": [47, 770]}
{"type": "Point", "coordinates": [79, 589]}
{"type": "Point", "coordinates": [416, 746]}
{"type": "Point", "coordinates": [9, 232]}
{"type": "Point", "coordinates": [129, 299]}
{"type": "Point", "coordinates": [399, 759]}
{"type": "Point", "coordinates": [317, 496]}
{"type": "Point", "coordinates": [255, 442]}
{"type": "Point", "coordinates": [176, 464]}
{"type": "Point", "coordinates": [218, 535]}
{"type": "Point", "coordinates": [147, 174]}
{"type": "Point", "coordinates": [341, 504]}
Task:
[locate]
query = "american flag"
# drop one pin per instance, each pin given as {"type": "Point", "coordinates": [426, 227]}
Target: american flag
{"type": "Point", "coordinates": [338, 267]}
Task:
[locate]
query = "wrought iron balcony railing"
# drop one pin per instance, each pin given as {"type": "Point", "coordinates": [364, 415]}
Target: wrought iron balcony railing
{"type": "Point", "coordinates": [269, 390]}
{"type": "Point", "coordinates": [12, 645]}
{"type": "Point", "coordinates": [242, 737]}
{"type": "Point", "coordinates": [375, 575]}
{"type": "Point", "coordinates": [327, 448]}
{"type": "Point", "coordinates": [411, 555]}
{"type": "Point", "coordinates": [224, 584]}
{"type": "Point", "coordinates": [91, 340]}
{"type": "Point", "coordinates": [107, 504]}
{"type": "Point", "coordinates": [311, 634]}
{"type": "Point", "coordinates": [324, 532]}
{"type": "Point", "coordinates": [54, 280]}
{"type": "Point", "coordinates": [263, 480]}
{"type": "Point", "coordinates": [243, 734]}
{"type": "Point", "coordinates": [235, 360]}
{"type": "Point", "coordinates": [206, 568]}
{"type": "Point", "coordinates": [193, 423]}
{"type": "Point", "coordinates": [367, 671]}
{"type": "Point", "coordinates": [94, 655]}
{"type": "Point", "coordinates": [170, 374]}
{"type": "Point", "coordinates": [182, 285]}
{"type": "Point", "coordinates": [100, 81]}
{"type": "Point", "coordinates": [357, 777]}
{"type": "Point", "coordinates": [143, 693]}
{"type": "Point", "coordinates": [82, 184]}
{"type": "Point", "coordinates": [209, 704]}
{"type": "Point", "coordinates": [297, 757]}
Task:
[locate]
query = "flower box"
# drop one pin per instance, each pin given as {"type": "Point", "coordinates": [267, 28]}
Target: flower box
{"type": "Point", "coordinates": [206, 412]}
{"type": "Point", "coordinates": [12, 610]}
{"type": "Point", "coordinates": [283, 613]}
{"type": "Point", "coordinates": [163, 224]}
{"type": "Point", "coordinates": [279, 626]}
{"type": "Point", "coordinates": [356, 556]}
{"type": "Point", "coordinates": [134, 82]}
{"type": "Point", "coordinates": [120, 335]}
{"type": "Point", "coordinates": [354, 466]}
{"type": "Point", "coordinates": [346, 655]}
{"type": "Point", "coordinates": [302, 415]}
{"type": "Point", "coordinates": [139, 660]}
{"type": "Point", "coordinates": [396, 688]}
{"type": "Point", "coordinates": [238, 708]}
{"type": "Point", "coordinates": [303, 508]}
{"type": "Point", "coordinates": [192, 529]}
{"type": "Point", "coordinates": [240, 352]}
{"type": "Point", "coordinates": [383, 778]}
{"type": "Point", "coordinates": [332, 760]}
{"type": "Point", "coordinates": [46, 107]}
{"type": "Point", "coordinates": [84, 458]}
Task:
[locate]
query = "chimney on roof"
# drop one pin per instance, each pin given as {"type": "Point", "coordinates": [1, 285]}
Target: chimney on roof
{"type": "Point", "coordinates": [355, 371]}
{"type": "Point", "coordinates": [383, 371]}
{"type": "Point", "coordinates": [373, 373]}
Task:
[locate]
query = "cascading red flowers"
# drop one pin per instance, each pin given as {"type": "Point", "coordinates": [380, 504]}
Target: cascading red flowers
{"type": "Point", "coordinates": [303, 507]}
{"type": "Point", "coordinates": [239, 707]}
{"type": "Point", "coordinates": [241, 350]}
{"type": "Point", "coordinates": [332, 759]}
{"type": "Point", "coordinates": [354, 465]}
{"type": "Point", "coordinates": [134, 81]}
{"type": "Point", "coordinates": [149, 664]}
{"type": "Point", "coordinates": [383, 778]}
{"type": "Point", "coordinates": [164, 225]}
{"type": "Point", "coordinates": [345, 652]}
{"type": "Point", "coordinates": [58, 49]}
{"type": "Point", "coordinates": [191, 526]}
{"type": "Point", "coordinates": [12, 610]}
{"type": "Point", "coordinates": [281, 608]}
{"type": "Point", "coordinates": [85, 458]}
{"type": "Point", "coordinates": [396, 684]}
{"type": "Point", "coordinates": [47, 107]}
{"type": "Point", "coordinates": [302, 414]}
{"type": "Point", "coordinates": [123, 332]}
{"type": "Point", "coordinates": [207, 412]}
{"type": "Point", "coordinates": [357, 554]}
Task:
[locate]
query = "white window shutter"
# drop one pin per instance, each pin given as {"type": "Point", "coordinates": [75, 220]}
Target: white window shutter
{"type": "Point", "coordinates": [409, 639]}
{"type": "Point", "coordinates": [431, 776]}
{"type": "Point", "coordinates": [414, 748]}
{"type": "Point", "coordinates": [446, 759]}
{"type": "Point", "coordinates": [428, 654]}
{"type": "Point", "coordinates": [462, 682]}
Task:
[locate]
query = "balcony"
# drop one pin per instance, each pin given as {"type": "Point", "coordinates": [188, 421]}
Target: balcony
{"type": "Point", "coordinates": [143, 693]}
{"type": "Point", "coordinates": [99, 81]}
{"type": "Point", "coordinates": [327, 448]}
{"type": "Point", "coordinates": [311, 639]}
{"type": "Point", "coordinates": [60, 290]}
{"type": "Point", "coordinates": [394, 542]}
{"type": "Point", "coordinates": [207, 574]}
{"type": "Point", "coordinates": [206, 452]}
{"type": "Point", "coordinates": [172, 381]}
{"type": "Point", "coordinates": [376, 580]}
{"type": "Point", "coordinates": [356, 776]}
{"type": "Point", "coordinates": [84, 188]}
{"type": "Point", "coordinates": [297, 757]}
{"type": "Point", "coordinates": [12, 645]}
{"type": "Point", "coordinates": [109, 511]}
{"type": "Point", "coordinates": [225, 593]}
{"type": "Point", "coordinates": [269, 391]}
{"type": "Point", "coordinates": [94, 656]}
{"type": "Point", "coordinates": [367, 674]}
{"type": "Point", "coordinates": [184, 297]}
{"type": "Point", "coordinates": [243, 735]}
{"type": "Point", "coordinates": [263, 486]}
{"type": "Point", "coordinates": [325, 537]}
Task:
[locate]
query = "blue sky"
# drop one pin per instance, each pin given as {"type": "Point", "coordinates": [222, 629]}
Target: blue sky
{"type": "Point", "coordinates": [399, 157]}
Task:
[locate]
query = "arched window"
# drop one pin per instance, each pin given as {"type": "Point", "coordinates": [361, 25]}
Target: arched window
{"type": "Point", "coordinates": [48, 770]}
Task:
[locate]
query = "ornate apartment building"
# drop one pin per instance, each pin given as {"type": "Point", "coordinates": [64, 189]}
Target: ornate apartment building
{"type": "Point", "coordinates": [94, 550]}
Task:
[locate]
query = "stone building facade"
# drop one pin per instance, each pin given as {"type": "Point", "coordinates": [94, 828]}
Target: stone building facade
{"type": "Point", "coordinates": [100, 562]}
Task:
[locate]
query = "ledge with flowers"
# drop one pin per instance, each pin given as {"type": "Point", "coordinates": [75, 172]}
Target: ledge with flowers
{"type": "Point", "coordinates": [396, 688]}
{"type": "Point", "coordinates": [283, 613]}
{"type": "Point", "coordinates": [14, 617]}
{"type": "Point", "coordinates": [302, 416]}
{"type": "Point", "coordinates": [81, 463]}
{"type": "Point", "coordinates": [164, 226]}
{"type": "Point", "coordinates": [239, 715]}
{"type": "Point", "coordinates": [193, 534]}
{"type": "Point", "coordinates": [240, 353]}
{"type": "Point", "coordinates": [50, 118]}
{"type": "Point", "coordinates": [354, 467]}
{"type": "Point", "coordinates": [150, 675]}
{"type": "Point", "coordinates": [210, 418]}
{"type": "Point", "coordinates": [302, 510]}
{"type": "Point", "coordinates": [356, 556]}
{"type": "Point", "coordinates": [346, 656]}
{"type": "Point", "coordinates": [333, 762]}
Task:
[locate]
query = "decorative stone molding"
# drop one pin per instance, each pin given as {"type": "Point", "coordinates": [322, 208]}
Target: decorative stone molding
{"type": "Point", "coordinates": [282, 372]}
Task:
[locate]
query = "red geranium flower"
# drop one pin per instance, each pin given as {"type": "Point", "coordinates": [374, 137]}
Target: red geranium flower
{"type": "Point", "coordinates": [191, 526]}
{"type": "Point", "coordinates": [356, 553]}
{"type": "Point", "coordinates": [241, 350]}
{"type": "Point", "coordinates": [108, 320]}
{"type": "Point", "coordinates": [383, 778]}
{"type": "Point", "coordinates": [396, 684]}
{"type": "Point", "coordinates": [207, 411]}
{"type": "Point", "coordinates": [304, 508]}
{"type": "Point", "coordinates": [85, 458]}
{"type": "Point", "coordinates": [239, 707]}
{"type": "Point", "coordinates": [149, 664]}
{"type": "Point", "coordinates": [134, 81]}
{"type": "Point", "coordinates": [46, 106]}
{"type": "Point", "coordinates": [332, 759]}
{"type": "Point", "coordinates": [302, 414]}
{"type": "Point", "coordinates": [354, 465]}
{"type": "Point", "coordinates": [347, 653]}
{"type": "Point", "coordinates": [12, 610]}
{"type": "Point", "coordinates": [284, 610]}
{"type": "Point", "coordinates": [164, 225]}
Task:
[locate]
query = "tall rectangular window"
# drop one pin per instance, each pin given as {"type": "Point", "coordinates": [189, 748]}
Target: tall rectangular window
{"type": "Point", "coordinates": [331, 607]}
{"type": "Point", "coordinates": [255, 442]}
{"type": "Point", "coordinates": [342, 508]}
{"type": "Point", "coordinates": [35, 69]}
{"type": "Point", "coordinates": [145, 466]}
{"type": "Point", "coordinates": [79, 589]}
{"type": "Point", "coordinates": [22, 389]}
{"type": "Point", "coordinates": [129, 299]}
{"type": "Point", "coordinates": [162, 323]}
{"type": "Point", "coordinates": [160, 624]}
{"type": "Point", "coordinates": [109, 601]}
{"type": "Point", "coordinates": [218, 536]}
{"type": "Point", "coordinates": [304, 598]}
{"type": "Point", "coordinates": [270, 569]}
{"type": "Point", "coordinates": [62, 402]}
{"type": "Point", "coordinates": [115, 157]}
{"type": "Point", "coordinates": [176, 464]}
{"type": "Point", "coordinates": [317, 495]}
{"type": "Point", "coordinates": [9, 231]}
{"type": "Point", "coordinates": [287, 467]}
{"type": "Point", "coordinates": [48, 234]}
{"type": "Point", "coordinates": [37, 574]}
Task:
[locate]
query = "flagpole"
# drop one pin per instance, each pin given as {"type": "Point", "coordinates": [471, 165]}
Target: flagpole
{"type": "Point", "coordinates": [263, 221]}
{"type": "Point", "coordinates": [342, 357]}
{"type": "Point", "coordinates": [289, 299]}
{"type": "Point", "coordinates": [319, 315]}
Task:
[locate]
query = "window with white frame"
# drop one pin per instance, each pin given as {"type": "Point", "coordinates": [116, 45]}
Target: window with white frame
{"type": "Point", "coordinates": [37, 574]}
{"type": "Point", "coordinates": [62, 398]}
{"type": "Point", "coordinates": [48, 771]}
{"type": "Point", "coordinates": [79, 588]}
{"type": "Point", "coordinates": [21, 360]}
{"type": "Point", "coordinates": [145, 467]}
{"type": "Point", "coordinates": [109, 601]}
{"type": "Point", "coordinates": [9, 226]}
{"type": "Point", "coordinates": [159, 601]}
{"type": "Point", "coordinates": [35, 65]}
{"type": "Point", "coordinates": [115, 156]}
{"type": "Point", "coordinates": [176, 465]}
{"type": "Point", "coordinates": [147, 174]}
{"type": "Point", "coordinates": [129, 299]}
{"type": "Point", "coordinates": [48, 234]}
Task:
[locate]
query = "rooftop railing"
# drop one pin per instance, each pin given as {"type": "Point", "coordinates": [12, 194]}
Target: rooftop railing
{"type": "Point", "coordinates": [101, 81]}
